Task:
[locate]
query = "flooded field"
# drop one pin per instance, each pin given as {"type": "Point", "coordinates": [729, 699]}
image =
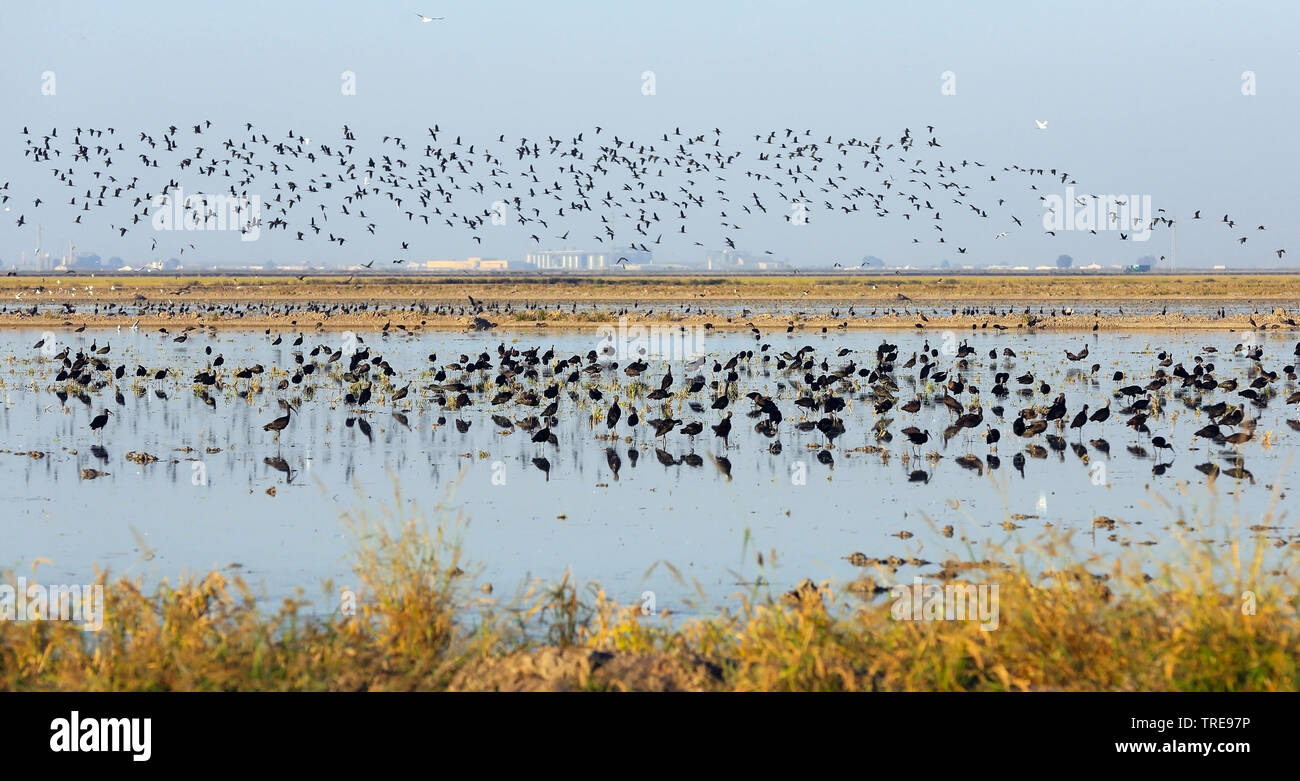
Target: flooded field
{"type": "Point", "coordinates": [873, 442]}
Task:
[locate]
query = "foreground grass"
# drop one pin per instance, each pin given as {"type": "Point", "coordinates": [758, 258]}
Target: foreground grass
{"type": "Point", "coordinates": [420, 624]}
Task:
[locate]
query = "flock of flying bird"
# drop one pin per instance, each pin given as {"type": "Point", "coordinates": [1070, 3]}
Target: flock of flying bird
{"type": "Point", "coordinates": [633, 192]}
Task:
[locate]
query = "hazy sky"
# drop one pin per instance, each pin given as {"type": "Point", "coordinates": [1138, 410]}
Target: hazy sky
{"type": "Point", "coordinates": [1141, 98]}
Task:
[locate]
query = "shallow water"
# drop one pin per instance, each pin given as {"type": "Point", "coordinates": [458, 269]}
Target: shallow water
{"type": "Point", "coordinates": [208, 507]}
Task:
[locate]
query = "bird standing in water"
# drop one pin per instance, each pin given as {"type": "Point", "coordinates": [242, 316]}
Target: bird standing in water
{"type": "Point", "coordinates": [611, 419]}
{"type": "Point", "coordinates": [100, 420]}
{"type": "Point", "coordinates": [1079, 421]}
{"type": "Point", "coordinates": [279, 423]}
{"type": "Point", "coordinates": [723, 429]}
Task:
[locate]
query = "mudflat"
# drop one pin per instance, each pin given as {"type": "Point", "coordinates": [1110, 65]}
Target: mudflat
{"type": "Point", "coordinates": [849, 300]}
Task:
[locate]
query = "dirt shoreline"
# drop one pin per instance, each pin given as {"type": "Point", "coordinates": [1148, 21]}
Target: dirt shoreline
{"type": "Point", "coordinates": [587, 302]}
{"type": "Point", "coordinates": [878, 289]}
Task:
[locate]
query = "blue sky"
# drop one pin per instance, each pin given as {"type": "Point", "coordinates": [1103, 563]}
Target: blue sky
{"type": "Point", "coordinates": [1141, 98]}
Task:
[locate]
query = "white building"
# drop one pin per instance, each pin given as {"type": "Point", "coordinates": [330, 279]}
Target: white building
{"type": "Point", "coordinates": [583, 260]}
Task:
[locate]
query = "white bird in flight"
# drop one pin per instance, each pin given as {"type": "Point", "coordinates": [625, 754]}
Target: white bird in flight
{"type": "Point", "coordinates": [1041, 123]}
{"type": "Point", "coordinates": [427, 19]}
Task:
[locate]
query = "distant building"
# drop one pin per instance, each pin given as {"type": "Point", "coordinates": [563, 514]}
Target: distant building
{"type": "Point", "coordinates": [742, 260]}
{"type": "Point", "coordinates": [85, 261]}
{"type": "Point", "coordinates": [635, 257]}
{"type": "Point", "coordinates": [171, 264]}
{"type": "Point", "coordinates": [584, 260]}
{"type": "Point", "coordinates": [469, 264]}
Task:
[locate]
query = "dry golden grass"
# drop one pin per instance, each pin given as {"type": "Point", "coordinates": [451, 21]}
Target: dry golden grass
{"type": "Point", "coordinates": [876, 287]}
{"type": "Point", "coordinates": [537, 300]}
{"type": "Point", "coordinates": [1066, 623]}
